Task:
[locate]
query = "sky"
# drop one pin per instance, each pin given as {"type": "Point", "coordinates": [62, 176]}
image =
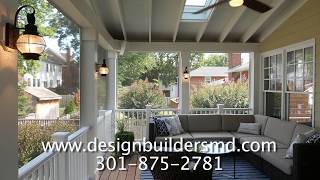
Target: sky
{"type": "Point", "coordinates": [52, 43]}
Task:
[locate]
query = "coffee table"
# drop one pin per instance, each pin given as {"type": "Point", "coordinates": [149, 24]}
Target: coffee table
{"type": "Point", "coordinates": [218, 149]}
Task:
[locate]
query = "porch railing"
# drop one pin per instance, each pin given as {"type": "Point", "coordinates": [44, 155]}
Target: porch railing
{"type": "Point", "coordinates": [55, 165]}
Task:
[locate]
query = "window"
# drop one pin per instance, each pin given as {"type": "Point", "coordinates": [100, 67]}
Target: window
{"type": "Point", "coordinates": [34, 83]}
{"type": "Point", "coordinates": [51, 83]}
{"type": "Point", "coordinates": [53, 68]}
{"type": "Point", "coordinates": [273, 73]}
{"type": "Point", "coordinates": [207, 79]}
{"type": "Point", "coordinates": [290, 96]}
{"type": "Point", "coordinates": [47, 67]}
{"type": "Point", "coordinates": [273, 84]}
{"type": "Point", "coordinates": [29, 82]}
{"type": "Point", "coordinates": [299, 93]}
{"type": "Point", "coordinates": [58, 83]}
{"type": "Point", "coordinates": [192, 6]}
{"type": "Point", "coordinates": [38, 82]}
{"type": "Point", "coordinates": [45, 84]}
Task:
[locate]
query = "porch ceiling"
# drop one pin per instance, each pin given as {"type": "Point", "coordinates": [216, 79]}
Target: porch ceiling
{"type": "Point", "coordinates": [159, 21]}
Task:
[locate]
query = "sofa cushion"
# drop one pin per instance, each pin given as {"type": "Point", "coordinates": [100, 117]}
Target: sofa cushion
{"type": "Point", "coordinates": [185, 136]}
{"type": "Point", "coordinates": [212, 136]}
{"type": "Point", "coordinates": [204, 123]}
{"type": "Point", "coordinates": [184, 122]}
{"type": "Point", "coordinates": [250, 128]}
{"type": "Point", "coordinates": [261, 139]}
{"type": "Point", "coordinates": [280, 130]}
{"type": "Point", "coordinates": [278, 160]}
{"type": "Point", "coordinates": [262, 120]}
{"type": "Point", "coordinates": [300, 129]}
{"type": "Point", "coordinates": [238, 135]}
{"type": "Point", "coordinates": [232, 122]}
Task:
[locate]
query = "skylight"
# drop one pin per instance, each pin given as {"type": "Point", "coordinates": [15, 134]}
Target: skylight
{"type": "Point", "coordinates": [192, 6]}
{"type": "Point", "coordinates": [195, 2]}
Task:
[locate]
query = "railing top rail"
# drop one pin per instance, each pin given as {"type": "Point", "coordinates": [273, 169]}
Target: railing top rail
{"type": "Point", "coordinates": [34, 164]}
{"type": "Point", "coordinates": [77, 134]}
{"type": "Point", "coordinates": [163, 109]}
{"type": "Point", "coordinates": [49, 119]}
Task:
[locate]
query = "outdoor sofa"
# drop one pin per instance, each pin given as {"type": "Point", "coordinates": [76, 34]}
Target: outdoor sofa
{"type": "Point", "coordinates": [306, 157]}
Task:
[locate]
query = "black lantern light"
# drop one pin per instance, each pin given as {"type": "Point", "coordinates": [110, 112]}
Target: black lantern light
{"type": "Point", "coordinates": [103, 69]}
{"type": "Point", "coordinates": [186, 74]}
{"type": "Point", "coordinates": [30, 44]}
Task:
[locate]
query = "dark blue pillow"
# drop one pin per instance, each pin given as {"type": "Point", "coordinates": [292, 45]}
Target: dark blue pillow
{"type": "Point", "coordinates": [161, 128]}
{"type": "Point", "coordinates": [314, 139]}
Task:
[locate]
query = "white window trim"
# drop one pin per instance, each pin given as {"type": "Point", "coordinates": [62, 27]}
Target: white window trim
{"type": "Point", "coordinates": [283, 51]}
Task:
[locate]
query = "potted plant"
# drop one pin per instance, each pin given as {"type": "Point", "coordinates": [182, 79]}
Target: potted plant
{"type": "Point", "coordinates": [123, 136]}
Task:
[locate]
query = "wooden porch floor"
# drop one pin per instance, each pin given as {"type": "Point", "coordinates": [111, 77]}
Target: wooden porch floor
{"type": "Point", "coordinates": [132, 172]}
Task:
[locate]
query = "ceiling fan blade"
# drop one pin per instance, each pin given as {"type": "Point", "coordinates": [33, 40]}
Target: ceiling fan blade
{"type": "Point", "coordinates": [257, 6]}
{"type": "Point", "coordinates": [211, 6]}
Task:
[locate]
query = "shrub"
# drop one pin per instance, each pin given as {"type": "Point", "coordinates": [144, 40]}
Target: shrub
{"type": "Point", "coordinates": [70, 107]}
{"type": "Point", "coordinates": [232, 95]}
{"type": "Point", "coordinates": [124, 136]}
{"type": "Point", "coordinates": [140, 94]}
{"type": "Point", "coordinates": [30, 136]}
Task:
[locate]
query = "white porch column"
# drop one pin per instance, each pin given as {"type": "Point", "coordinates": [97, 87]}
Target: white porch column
{"type": "Point", "coordinates": [255, 84]}
{"type": "Point", "coordinates": [8, 98]}
{"type": "Point", "coordinates": [184, 85]}
{"type": "Point", "coordinates": [112, 58]}
{"type": "Point", "coordinates": [88, 90]}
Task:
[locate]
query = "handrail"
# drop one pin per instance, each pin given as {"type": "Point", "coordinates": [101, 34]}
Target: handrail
{"type": "Point", "coordinates": [34, 164]}
{"type": "Point", "coordinates": [77, 134]}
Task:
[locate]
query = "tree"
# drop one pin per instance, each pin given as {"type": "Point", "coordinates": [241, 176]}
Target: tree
{"type": "Point", "coordinates": [232, 95]}
{"type": "Point", "coordinates": [140, 94]}
{"type": "Point", "coordinates": [213, 60]}
{"type": "Point", "coordinates": [133, 66]}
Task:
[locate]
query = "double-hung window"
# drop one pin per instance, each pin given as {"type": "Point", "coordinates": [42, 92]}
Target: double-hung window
{"type": "Point", "coordinates": [288, 82]}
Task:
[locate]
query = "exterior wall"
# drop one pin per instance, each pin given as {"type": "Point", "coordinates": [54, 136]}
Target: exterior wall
{"type": "Point", "coordinates": [301, 26]}
{"type": "Point", "coordinates": [8, 96]}
{"type": "Point", "coordinates": [48, 77]}
{"type": "Point", "coordinates": [196, 82]}
{"type": "Point", "coordinates": [47, 109]}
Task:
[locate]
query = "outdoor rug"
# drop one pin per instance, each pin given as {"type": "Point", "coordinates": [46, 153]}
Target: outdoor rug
{"type": "Point", "coordinates": [244, 170]}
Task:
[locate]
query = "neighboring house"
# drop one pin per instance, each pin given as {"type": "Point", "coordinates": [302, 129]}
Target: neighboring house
{"type": "Point", "coordinates": [50, 72]}
{"type": "Point", "coordinates": [238, 68]}
{"type": "Point", "coordinates": [45, 102]}
{"type": "Point", "coordinates": [208, 75]}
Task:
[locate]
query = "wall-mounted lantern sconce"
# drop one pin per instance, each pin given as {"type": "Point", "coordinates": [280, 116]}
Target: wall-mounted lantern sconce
{"type": "Point", "coordinates": [186, 74]}
{"type": "Point", "coordinates": [102, 69]}
{"type": "Point", "coordinates": [30, 44]}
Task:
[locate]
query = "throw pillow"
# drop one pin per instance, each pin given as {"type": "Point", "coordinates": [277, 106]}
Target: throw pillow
{"type": "Point", "coordinates": [161, 128]}
{"type": "Point", "coordinates": [174, 125]}
{"type": "Point", "coordinates": [250, 128]}
{"type": "Point", "coordinates": [314, 139]}
{"type": "Point", "coordinates": [300, 138]}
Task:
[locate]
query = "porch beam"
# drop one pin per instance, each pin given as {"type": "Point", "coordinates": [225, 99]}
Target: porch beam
{"type": "Point", "coordinates": [192, 46]}
{"type": "Point", "coordinates": [120, 15]}
{"type": "Point", "coordinates": [150, 20]}
{"type": "Point", "coordinates": [260, 21]}
{"type": "Point", "coordinates": [88, 88]}
{"type": "Point", "coordinates": [204, 26]}
{"type": "Point", "coordinates": [176, 29]}
{"type": "Point", "coordinates": [281, 18]}
{"type": "Point", "coordinates": [82, 14]}
{"type": "Point", "coordinates": [233, 21]}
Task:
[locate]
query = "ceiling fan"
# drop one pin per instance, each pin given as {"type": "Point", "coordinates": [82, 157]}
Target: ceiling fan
{"type": "Point", "coordinates": [252, 4]}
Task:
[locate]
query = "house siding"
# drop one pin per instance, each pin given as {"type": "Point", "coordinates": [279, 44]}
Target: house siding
{"type": "Point", "coordinates": [301, 26]}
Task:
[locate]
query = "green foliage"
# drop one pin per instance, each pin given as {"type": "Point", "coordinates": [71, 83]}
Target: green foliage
{"type": "Point", "coordinates": [140, 94]}
{"type": "Point", "coordinates": [70, 107]}
{"type": "Point", "coordinates": [232, 95]}
{"type": "Point", "coordinates": [30, 136]}
{"type": "Point", "coordinates": [154, 67]}
{"type": "Point", "coordinates": [198, 60]}
{"type": "Point", "coordinates": [24, 102]}
{"type": "Point", "coordinates": [122, 124]}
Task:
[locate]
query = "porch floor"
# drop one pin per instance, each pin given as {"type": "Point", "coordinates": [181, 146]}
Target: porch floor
{"type": "Point", "coordinates": [132, 172]}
